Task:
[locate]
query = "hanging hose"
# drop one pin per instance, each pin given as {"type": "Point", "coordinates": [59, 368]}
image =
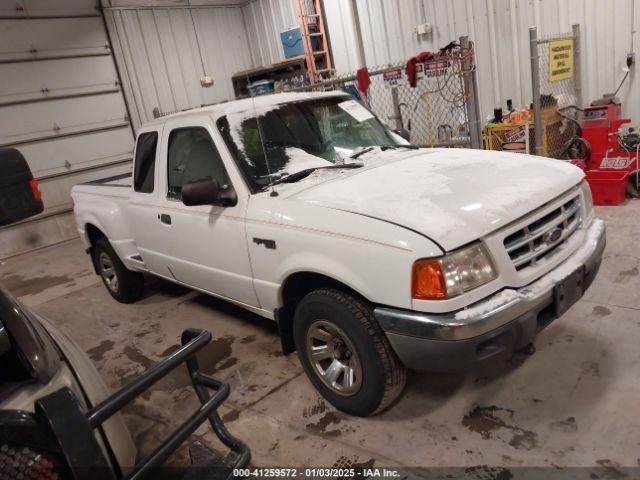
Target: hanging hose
{"type": "Point", "coordinates": [633, 183]}
{"type": "Point", "coordinates": [576, 148]}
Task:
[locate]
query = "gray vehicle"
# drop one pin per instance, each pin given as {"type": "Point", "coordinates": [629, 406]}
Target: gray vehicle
{"type": "Point", "coordinates": [58, 419]}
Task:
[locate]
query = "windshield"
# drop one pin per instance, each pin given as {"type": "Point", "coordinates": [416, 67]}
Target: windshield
{"type": "Point", "coordinates": [300, 136]}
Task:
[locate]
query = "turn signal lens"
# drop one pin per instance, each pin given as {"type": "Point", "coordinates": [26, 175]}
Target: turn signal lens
{"type": "Point", "coordinates": [35, 189]}
{"type": "Point", "coordinates": [428, 282]}
{"type": "Point", "coordinates": [452, 274]}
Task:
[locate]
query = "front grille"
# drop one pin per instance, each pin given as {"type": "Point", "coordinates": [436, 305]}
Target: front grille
{"type": "Point", "coordinates": [542, 237]}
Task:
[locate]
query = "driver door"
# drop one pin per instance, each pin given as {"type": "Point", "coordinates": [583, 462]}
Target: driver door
{"type": "Point", "coordinates": [209, 243]}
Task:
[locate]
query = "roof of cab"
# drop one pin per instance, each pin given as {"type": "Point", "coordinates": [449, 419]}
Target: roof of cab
{"type": "Point", "coordinates": [246, 104]}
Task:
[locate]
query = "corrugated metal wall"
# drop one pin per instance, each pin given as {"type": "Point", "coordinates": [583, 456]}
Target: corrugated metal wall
{"type": "Point", "coordinates": [265, 19]}
{"type": "Point", "coordinates": [61, 105]}
{"type": "Point", "coordinates": [500, 29]}
{"type": "Point", "coordinates": [164, 48]}
{"type": "Point", "coordinates": [164, 51]}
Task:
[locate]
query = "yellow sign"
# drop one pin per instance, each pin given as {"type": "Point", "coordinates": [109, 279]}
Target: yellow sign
{"type": "Point", "coordinates": [560, 60]}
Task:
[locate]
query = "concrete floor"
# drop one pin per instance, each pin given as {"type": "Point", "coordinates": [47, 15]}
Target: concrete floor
{"type": "Point", "coordinates": [574, 402]}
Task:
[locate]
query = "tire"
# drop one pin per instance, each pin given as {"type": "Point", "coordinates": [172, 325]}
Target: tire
{"type": "Point", "coordinates": [346, 326]}
{"type": "Point", "coordinates": [632, 184]}
{"type": "Point", "coordinates": [123, 284]}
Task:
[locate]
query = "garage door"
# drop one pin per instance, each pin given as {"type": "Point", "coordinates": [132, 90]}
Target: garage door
{"type": "Point", "coordinates": [62, 106]}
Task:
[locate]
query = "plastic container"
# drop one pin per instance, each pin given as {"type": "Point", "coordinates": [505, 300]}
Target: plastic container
{"type": "Point", "coordinates": [292, 44]}
{"type": "Point", "coordinates": [608, 187]}
{"type": "Point", "coordinates": [262, 87]}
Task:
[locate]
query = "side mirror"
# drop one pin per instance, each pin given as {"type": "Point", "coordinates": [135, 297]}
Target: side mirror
{"type": "Point", "coordinates": [208, 192]}
{"type": "Point", "coordinates": [404, 133]}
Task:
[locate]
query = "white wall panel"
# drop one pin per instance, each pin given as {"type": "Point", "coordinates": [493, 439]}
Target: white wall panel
{"type": "Point", "coordinates": [264, 20]}
{"type": "Point", "coordinates": [26, 122]}
{"type": "Point", "coordinates": [342, 37]}
{"type": "Point", "coordinates": [61, 105]}
{"type": "Point", "coordinates": [170, 3]}
{"type": "Point", "coordinates": [500, 29]}
{"type": "Point", "coordinates": [52, 37]}
{"type": "Point", "coordinates": [71, 76]}
{"type": "Point", "coordinates": [59, 8]}
{"type": "Point", "coordinates": [63, 154]}
{"type": "Point", "coordinates": [225, 48]}
{"type": "Point", "coordinates": [163, 53]}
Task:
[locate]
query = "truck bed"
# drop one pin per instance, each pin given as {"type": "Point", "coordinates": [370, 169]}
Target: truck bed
{"type": "Point", "coordinates": [103, 204]}
{"type": "Point", "coordinates": [122, 180]}
{"type": "Point", "coordinates": [115, 186]}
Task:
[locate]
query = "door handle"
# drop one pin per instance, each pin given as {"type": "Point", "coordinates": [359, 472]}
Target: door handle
{"type": "Point", "coordinates": [165, 218]}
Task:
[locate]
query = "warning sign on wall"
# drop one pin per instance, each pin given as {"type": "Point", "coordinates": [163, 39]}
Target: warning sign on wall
{"type": "Point", "coordinates": [517, 140]}
{"type": "Point", "coordinates": [393, 78]}
{"type": "Point", "coordinates": [436, 68]}
{"type": "Point", "coordinates": [560, 59]}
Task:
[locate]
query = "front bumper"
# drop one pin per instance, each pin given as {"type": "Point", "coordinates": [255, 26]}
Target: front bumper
{"type": "Point", "coordinates": [500, 324]}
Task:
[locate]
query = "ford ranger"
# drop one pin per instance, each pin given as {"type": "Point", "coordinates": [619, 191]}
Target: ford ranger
{"type": "Point", "coordinates": [371, 254]}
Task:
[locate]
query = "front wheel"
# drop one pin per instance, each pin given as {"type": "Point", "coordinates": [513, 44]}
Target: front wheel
{"type": "Point", "coordinates": [345, 353]}
{"type": "Point", "coordinates": [123, 284]}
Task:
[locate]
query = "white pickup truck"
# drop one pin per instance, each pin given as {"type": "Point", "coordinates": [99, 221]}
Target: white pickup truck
{"type": "Point", "coordinates": [372, 255]}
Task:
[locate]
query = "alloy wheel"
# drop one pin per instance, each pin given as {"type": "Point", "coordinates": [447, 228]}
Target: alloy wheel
{"type": "Point", "coordinates": [108, 272]}
{"type": "Point", "coordinates": [334, 357]}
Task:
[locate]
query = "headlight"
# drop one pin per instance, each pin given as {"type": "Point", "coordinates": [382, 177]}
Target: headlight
{"type": "Point", "coordinates": [453, 274]}
{"type": "Point", "coordinates": [588, 202]}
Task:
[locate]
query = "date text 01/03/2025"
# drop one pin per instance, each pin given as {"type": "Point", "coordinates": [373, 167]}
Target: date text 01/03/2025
{"type": "Point", "coordinates": [317, 473]}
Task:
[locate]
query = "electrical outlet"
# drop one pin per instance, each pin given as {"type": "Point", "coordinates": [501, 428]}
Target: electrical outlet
{"type": "Point", "coordinates": [631, 58]}
{"type": "Point", "coordinates": [206, 81]}
{"type": "Point", "coordinates": [424, 29]}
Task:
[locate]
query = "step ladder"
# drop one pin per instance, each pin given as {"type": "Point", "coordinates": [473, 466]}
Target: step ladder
{"type": "Point", "coordinates": [312, 27]}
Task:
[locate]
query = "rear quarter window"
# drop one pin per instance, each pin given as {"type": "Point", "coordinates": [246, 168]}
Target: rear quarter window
{"type": "Point", "coordinates": [145, 162]}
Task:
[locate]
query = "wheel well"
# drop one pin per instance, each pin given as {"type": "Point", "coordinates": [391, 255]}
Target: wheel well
{"type": "Point", "coordinates": [294, 289]}
{"type": "Point", "coordinates": [93, 233]}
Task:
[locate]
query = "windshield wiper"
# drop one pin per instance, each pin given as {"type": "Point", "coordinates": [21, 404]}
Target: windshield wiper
{"type": "Point", "coordinates": [361, 152]}
{"type": "Point", "coordinates": [395, 147]}
{"type": "Point", "coordinates": [383, 148]}
{"type": "Point", "coordinates": [294, 177]}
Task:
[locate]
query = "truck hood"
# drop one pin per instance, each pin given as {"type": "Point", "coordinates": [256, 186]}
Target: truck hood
{"type": "Point", "coordinates": [453, 196]}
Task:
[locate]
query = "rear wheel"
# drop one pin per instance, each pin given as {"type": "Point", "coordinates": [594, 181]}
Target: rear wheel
{"type": "Point", "coordinates": [123, 284]}
{"type": "Point", "coordinates": [345, 353]}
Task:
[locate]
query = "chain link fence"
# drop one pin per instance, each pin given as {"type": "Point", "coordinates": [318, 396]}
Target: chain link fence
{"type": "Point", "coordinates": [439, 108]}
{"type": "Point", "coordinates": [436, 111]}
{"type": "Point", "coordinates": [555, 71]}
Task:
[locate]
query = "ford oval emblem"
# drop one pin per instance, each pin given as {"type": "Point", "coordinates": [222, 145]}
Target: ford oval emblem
{"type": "Point", "coordinates": [552, 236]}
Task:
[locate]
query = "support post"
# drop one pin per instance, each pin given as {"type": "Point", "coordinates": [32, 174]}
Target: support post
{"type": "Point", "coordinates": [397, 114]}
{"type": "Point", "coordinates": [577, 74]}
{"type": "Point", "coordinates": [476, 99]}
{"type": "Point", "coordinates": [355, 17]}
{"type": "Point", "coordinates": [471, 104]}
{"type": "Point", "coordinates": [535, 88]}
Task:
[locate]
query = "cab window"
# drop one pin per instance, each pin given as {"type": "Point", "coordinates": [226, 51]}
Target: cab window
{"type": "Point", "coordinates": [192, 156]}
{"type": "Point", "coordinates": [145, 162]}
